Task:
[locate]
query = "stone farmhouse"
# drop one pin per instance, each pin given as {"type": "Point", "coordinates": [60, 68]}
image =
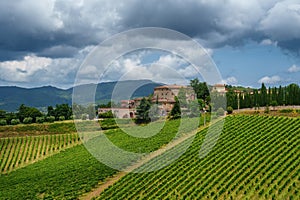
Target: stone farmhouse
{"type": "Point", "coordinates": [164, 96]}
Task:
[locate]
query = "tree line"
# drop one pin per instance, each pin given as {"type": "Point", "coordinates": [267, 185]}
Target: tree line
{"type": "Point", "coordinates": [148, 111]}
{"type": "Point", "coordinates": [28, 115]}
{"type": "Point", "coordinates": [272, 96]}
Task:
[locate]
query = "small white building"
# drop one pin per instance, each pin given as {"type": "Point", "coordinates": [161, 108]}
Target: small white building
{"type": "Point", "coordinates": [220, 88]}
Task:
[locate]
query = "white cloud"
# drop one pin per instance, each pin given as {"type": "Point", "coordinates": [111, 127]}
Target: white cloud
{"type": "Point", "coordinates": [20, 71]}
{"type": "Point", "coordinates": [270, 79]}
{"type": "Point", "coordinates": [294, 69]}
{"type": "Point", "coordinates": [34, 70]}
{"type": "Point", "coordinates": [166, 69]}
{"type": "Point", "coordinates": [282, 21]}
{"type": "Point", "coordinates": [268, 42]}
{"type": "Point", "coordinates": [230, 80]}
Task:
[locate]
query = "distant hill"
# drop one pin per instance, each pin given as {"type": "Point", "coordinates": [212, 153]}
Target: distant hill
{"type": "Point", "coordinates": [12, 97]}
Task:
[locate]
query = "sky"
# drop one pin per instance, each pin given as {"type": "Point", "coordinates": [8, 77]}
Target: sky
{"type": "Point", "coordinates": [45, 42]}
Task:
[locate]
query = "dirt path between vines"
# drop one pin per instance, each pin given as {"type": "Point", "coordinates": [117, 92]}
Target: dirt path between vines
{"type": "Point", "coordinates": [111, 180]}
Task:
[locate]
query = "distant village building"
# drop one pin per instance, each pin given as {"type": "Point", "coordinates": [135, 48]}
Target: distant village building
{"type": "Point", "coordinates": [119, 112]}
{"type": "Point", "coordinates": [220, 88]}
{"type": "Point", "coordinates": [164, 96]}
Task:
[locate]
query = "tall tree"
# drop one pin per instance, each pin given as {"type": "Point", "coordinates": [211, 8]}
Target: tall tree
{"type": "Point", "coordinates": [25, 111]}
{"type": "Point", "coordinates": [182, 97]}
{"type": "Point", "coordinates": [200, 88]}
{"type": "Point", "coordinates": [263, 95]}
{"type": "Point", "coordinates": [142, 111]}
{"type": "Point", "coordinates": [176, 111]}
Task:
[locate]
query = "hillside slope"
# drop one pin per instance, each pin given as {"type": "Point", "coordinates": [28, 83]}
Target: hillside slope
{"type": "Point", "coordinates": [256, 157]}
{"type": "Point", "coordinates": [12, 97]}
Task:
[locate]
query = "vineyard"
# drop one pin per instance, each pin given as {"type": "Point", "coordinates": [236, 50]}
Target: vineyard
{"type": "Point", "coordinates": [17, 152]}
{"type": "Point", "coordinates": [256, 157]}
{"type": "Point", "coordinates": [65, 175]}
{"type": "Point", "coordinates": [71, 172]}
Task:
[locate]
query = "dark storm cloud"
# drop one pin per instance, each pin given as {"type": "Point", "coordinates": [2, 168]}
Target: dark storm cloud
{"type": "Point", "coordinates": [190, 18]}
{"type": "Point", "coordinates": [206, 20]}
{"type": "Point", "coordinates": [41, 27]}
{"type": "Point", "coordinates": [219, 23]}
{"type": "Point", "coordinates": [60, 51]}
{"type": "Point", "coordinates": [58, 28]}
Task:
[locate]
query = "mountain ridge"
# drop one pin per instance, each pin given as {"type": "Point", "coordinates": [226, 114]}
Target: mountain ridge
{"type": "Point", "coordinates": [11, 97]}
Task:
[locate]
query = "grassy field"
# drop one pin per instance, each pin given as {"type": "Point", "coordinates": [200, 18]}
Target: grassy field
{"type": "Point", "coordinates": [256, 157]}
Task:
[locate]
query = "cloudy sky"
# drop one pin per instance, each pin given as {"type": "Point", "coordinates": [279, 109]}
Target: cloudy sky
{"type": "Point", "coordinates": [45, 42]}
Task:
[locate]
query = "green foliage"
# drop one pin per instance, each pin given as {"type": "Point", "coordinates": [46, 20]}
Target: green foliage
{"type": "Point", "coordinates": [40, 120]}
{"type": "Point", "coordinates": [142, 111]}
{"type": "Point", "coordinates": [201, 89]}
{"type": "Point", "coordinates": [194, 108]}
{"type": "Point", "coordinates": [182, 98]}
{"type": "Point", "coordinates": [50, 119]}
{"type": "Point", "coordinates": [15, 121]}
{"type": "Point", "coordinates": [287, 95]}
{"type": "Point", "coordinates": [90, 110]}
{"type": "Point", "coordinates": [84, 116]}
{"type": "Point", "coordinates": [288, 110]}
{"type": "Point", "coordinates": [2, 114]}
{"type": "Point", "coordinates": [219, 101]}
{"type": "Point", "coordinates": [220, 112]}
{"type": "Point", "coordinates": [26, 112]}
{"type": "Point", "coordinates": [176, 110]}
{"type": "Point", "coordinates": [267, 109]}
{"type": "Point", "coordinates": [108, 123]}
{"type": "Point", "coordinates": [27, 120]}
{"type": "Point", "coordinates": [110, 104]}
{"type": "Point", "coordinates": [108, 114]}
{"type": "Point", "coordinates": [229, 110]}
{"type": "Point", "coordinates": [274, 103]}
{"type": "Point", "coordinates": [154, 112]}
{"type": "Point", "coordinates": [3, 122]}
{"type": "Point", "coordinates": [60, 110]}
{"type": "Point", "coordinates": [61, 118]}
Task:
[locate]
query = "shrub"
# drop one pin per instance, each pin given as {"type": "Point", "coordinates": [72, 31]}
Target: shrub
{"type": "Point", "coordinates": [220, 112]}
{"type": "Point", "coordinates": [84, 116]}
{"type": "Point", "coordinates": [15, 121]}
{"type": "Point", "coordinates": [107, 114]}
{"type": "Point", "coordinates": [229, 110]}
{"type": "Point", "coordinates": [288, 110]}
{"type": "Point", "coordinates": [50, 119]}
{"type": "Point", "coordinates": [40, 120]}
{"type": "Point", "coordinates": [3, 122]}
{"type": "Point", "coordinates": [267, 109]}
{"type": "Point", "coordinates": [27, 120]}
{"type": "Point", "coordinates": [61, 118]}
